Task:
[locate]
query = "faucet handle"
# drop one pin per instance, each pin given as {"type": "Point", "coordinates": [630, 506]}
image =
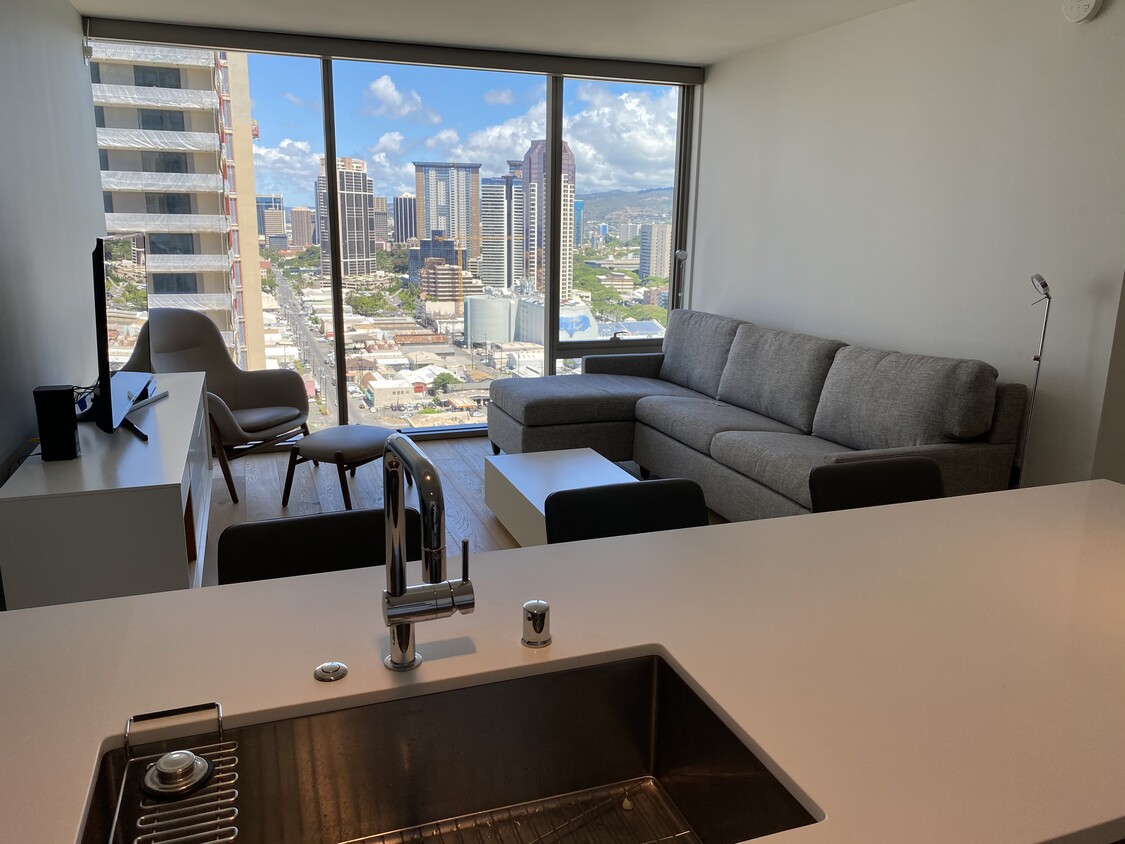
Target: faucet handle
{"type": "Point", "coordinates": [464, 599]}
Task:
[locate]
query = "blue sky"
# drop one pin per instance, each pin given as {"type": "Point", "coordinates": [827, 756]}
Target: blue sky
{"type": "Point", "coordinates": [622, 135]}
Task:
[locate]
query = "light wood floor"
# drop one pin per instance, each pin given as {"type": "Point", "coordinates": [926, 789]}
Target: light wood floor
{"type": "Point", "coordinates": [259, 480]}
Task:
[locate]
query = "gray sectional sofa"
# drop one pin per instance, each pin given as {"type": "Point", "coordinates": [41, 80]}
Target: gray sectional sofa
{"type": "Point", "coordinates": [749, 411]}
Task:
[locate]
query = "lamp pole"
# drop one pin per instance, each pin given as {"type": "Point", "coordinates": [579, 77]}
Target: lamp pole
{"type": "Point", "coordinates": [1044, 291]}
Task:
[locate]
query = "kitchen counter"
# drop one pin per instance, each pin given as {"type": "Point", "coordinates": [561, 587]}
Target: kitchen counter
{"type": "Point", "coordinates": [945, 671]}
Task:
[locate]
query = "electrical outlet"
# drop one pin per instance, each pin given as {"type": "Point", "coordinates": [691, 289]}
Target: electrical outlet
{"type": "Point", "coordinates": [1080, 11]}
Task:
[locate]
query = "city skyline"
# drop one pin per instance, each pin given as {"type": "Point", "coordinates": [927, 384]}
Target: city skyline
{"type": "Point", "coordinates": [623, 134]}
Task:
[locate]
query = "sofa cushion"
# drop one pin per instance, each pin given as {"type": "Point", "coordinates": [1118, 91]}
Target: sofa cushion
{"type": "Point", "coordinates": [777, 373]}
{"type": "Point", "coordinates": [879, 399]}
{"type": "Point", "coordinates": [696, 346]}
{"type": "Point", "coordinates": [694, 421]}
{"type": "Point", "coordinates": [566, 399]}
{"type": "Point", "coordinates": [781, 462]}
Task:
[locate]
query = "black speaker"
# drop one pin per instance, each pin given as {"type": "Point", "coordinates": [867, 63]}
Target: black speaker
{"type": "Point", "coordinates": [58, 425]}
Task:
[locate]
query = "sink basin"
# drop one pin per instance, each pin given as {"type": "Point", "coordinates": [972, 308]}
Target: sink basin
{"type": "Point", "coordinates": [620, 751]}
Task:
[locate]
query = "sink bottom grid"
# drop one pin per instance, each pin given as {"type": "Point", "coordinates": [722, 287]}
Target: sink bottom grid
{"type": "Point", "coordinates": [635, 811]}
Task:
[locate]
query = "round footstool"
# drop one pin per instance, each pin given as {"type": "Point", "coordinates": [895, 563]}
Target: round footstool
{"type": "Point", "coordinates": [348, 446]}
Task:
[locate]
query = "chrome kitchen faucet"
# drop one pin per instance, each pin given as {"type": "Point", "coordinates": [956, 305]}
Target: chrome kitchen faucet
{"type": "Point", "coordinates": [404, 606]}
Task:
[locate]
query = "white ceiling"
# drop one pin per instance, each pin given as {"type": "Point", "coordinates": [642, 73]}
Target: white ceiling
{"type": "Point", "coordinates": [679, 31]}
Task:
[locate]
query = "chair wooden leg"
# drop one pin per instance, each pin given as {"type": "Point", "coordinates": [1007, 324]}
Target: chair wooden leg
{"type": "Point", "coordinates": [289, 478]}
{"type": "Point", "coordinates": [224, 464]}
{"type": "Point", "coordinates": [342, 470]}
{"type": "Point", "coordinates": [495, 448]}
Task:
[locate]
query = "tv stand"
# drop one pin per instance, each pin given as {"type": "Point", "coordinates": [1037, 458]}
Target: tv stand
{"type": "Point", "coordinates": [125, 518]}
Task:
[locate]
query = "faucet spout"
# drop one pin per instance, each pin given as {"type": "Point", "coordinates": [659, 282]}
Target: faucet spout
{"type": "Point", "coordinates": [437, 597]}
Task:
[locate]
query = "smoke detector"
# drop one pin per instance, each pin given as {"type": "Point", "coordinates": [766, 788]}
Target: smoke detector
{"type": "Point", "coordinates": [1080, 11]}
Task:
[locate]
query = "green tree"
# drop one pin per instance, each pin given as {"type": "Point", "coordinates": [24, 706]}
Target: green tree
{"type": "Point", "coordinates": [444, 378]}
{"type": "Point", "coordinates": [408, 298]}
{"type": "Point", "coordinates": [370, 303]}
{"type": "Point", "coordinates": [120, 248]}
{"type": "Point", "coordinates": [135, 296]}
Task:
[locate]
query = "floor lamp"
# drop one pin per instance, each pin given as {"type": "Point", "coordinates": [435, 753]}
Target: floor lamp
{"type": "Point", "coordinates": [1044, 291]}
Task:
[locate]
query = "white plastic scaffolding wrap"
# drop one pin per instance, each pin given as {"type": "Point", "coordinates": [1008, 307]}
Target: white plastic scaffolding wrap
{"type": "Point", "coordinates": [127, 180]}
{"type": "Point", "coordinates": [187, 263]}
{"type": "Point", "coordinates": [151, 54]}
{"type": "Point", "coordinates": [158, 140]}
{"type": "Point", "coordinates": [190, 301]}
{"type": "Point", "coordinates": [147, 97]}
{"type": "Point", "coordinates": [171, 223]}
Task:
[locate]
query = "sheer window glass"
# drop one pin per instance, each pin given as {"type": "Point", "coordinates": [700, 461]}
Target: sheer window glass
{"type": "Point", "coordinates": [170, 121]}
{"type": "Point", "coordinates": [156, 77]}
{"type": "Point", "coordinates": [619, 176]}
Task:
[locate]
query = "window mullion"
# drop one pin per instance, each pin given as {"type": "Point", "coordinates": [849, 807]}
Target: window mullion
{"type": "Point", "coordinates": [553, 279]}
{"type": "Point", "coordinates": [337, 259]}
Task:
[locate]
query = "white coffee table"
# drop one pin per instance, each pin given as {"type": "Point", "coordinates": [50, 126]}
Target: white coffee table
{"type": "Point", "coordinates": [516, 485]}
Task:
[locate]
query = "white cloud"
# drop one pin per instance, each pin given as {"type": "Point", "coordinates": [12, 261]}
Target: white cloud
{"type": "Point", "coordinates": [293, 98]}
{"type": "Point", "coordinates": [501, 96]}
{"type": "Point", "coordinates": [623, 141]}
{"type": "Point", "coordinates": [290, 168]}
{"type": "Point", "coordinates": [389, 176]}
{"type": "Point", "coordinates": [391, 102]}
{"type": "Point", "coordinates": [444, 138]}
{"type": "Point", "coordinates": [389, 142]}
{"type": "Point", "coordinates": [494, 145]}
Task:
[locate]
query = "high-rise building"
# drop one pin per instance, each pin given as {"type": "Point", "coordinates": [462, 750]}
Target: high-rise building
{"type": "Point", "coordinates": [382, 230]}
{"type": "Point", "coordinates": [627, 231]}
{"type": "Point", "coordinates": [406, 221]}
{"type": "Point", "coordinates": [579, 208]}
{"type": "Point", "coordinates": [357, 218]}
{"type": "Point", "coordinates": [501, 224]}
{"type": "Point", "coordinates": [443, 288]}
{"type": "Point", "coordinates": [535, 243]}
{"type": "Point", "coordinates": [267, 202]}
{"type": "Point", "coordinates": [273, 223]}
{"type": "Point", "coordinates": [173, 126]}
{"type": "Point", "coordinates": [301, 225]}
{"type": "Point", "coordinates": [656, 250]}
{"type": "Point", "coordinates": [448, 198]}
{"type": "Point", "coordinates": [436, 246]}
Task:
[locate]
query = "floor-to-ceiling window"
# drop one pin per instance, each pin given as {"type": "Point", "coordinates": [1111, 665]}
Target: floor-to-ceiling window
{"type": "Point", "coordinates": [401, 233]}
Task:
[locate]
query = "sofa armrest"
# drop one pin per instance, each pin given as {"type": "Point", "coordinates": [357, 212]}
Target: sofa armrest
{"type": "Point", "coordinates": [645, 365]}
{"type": "Point", "coordinates": [965, 467]}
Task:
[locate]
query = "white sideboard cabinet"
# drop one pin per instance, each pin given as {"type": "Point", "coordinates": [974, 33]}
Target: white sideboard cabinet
{"type": "Point", "coordinates": [124, 518]}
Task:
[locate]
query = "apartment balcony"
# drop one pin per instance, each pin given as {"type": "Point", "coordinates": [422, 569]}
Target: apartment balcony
{"type": "Point", "coordinates": [158, 140]}
{"type": "Point", "coordinates": [135, 180]}
{"type": "Point", "coordinates": [136, 96]}
{"type": "Point", "coordinates": [152, 54]}
{"type": "Point", "coordinates": [188, 264]}
{"type": "Point", "coordinates": [170, 223]}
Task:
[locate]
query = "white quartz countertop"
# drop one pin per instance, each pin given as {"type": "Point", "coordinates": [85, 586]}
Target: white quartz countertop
{"type": "Point", "coordinates": [947, 671]}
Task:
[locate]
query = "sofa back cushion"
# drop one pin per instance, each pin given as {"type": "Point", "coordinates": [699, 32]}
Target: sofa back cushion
{"type": "Point", "coordinates": [878, 399]}
{"type": "Point", "coordinates": [696, 346]}
{"type": "Point", "coordinates": [778, 374]}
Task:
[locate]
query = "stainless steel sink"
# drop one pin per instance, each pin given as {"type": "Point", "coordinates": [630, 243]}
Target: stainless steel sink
{"type": "Point", "coordinates": [621, 751]}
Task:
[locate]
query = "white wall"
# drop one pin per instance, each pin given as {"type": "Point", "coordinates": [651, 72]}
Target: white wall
{"type": "Point", "coordinates": [50, 210]}
{"type": "Point", "coordinates": [895, 181]}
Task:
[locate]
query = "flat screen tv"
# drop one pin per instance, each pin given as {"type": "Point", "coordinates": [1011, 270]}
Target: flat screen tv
{"type": "Point", "coordinates": [120, 308]}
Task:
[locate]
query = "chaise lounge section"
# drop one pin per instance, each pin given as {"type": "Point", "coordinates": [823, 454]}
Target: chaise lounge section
{"type": "Point", "coordinates": [748, 412]}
